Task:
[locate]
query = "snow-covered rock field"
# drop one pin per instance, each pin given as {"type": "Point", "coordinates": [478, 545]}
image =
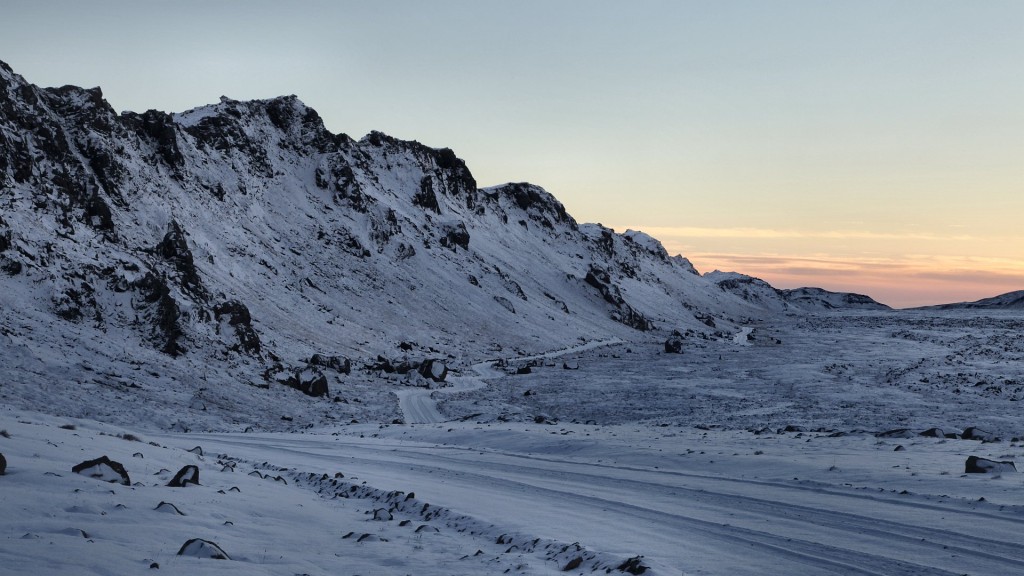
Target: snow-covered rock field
{"type": "Point", "coordinates": [797, 450]}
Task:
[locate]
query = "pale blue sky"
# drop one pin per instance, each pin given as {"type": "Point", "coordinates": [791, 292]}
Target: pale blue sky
{"type": "Point", "coordinates": [873, 146]}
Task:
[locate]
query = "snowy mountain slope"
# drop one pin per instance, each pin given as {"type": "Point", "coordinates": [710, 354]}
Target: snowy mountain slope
{"type": "Point", "coordinates": [1009, 301]}
{"type": "Point", "coordinates": [186, 255]}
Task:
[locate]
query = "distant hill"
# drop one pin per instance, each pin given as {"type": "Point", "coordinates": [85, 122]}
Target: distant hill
{"type": "Point", "coordinates": [1009, 301]}
{"type": "Point", "coordinates": [761, 293]}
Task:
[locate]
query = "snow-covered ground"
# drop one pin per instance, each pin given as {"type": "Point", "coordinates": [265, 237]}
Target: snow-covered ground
{"type": "Point", "coordinates": [605, 456]}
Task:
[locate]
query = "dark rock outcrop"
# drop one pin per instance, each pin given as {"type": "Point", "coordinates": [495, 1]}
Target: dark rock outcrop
{"type": "Point", "coordinates": [240, 320]}
{"type": "Point", "coordinates": [337, 363]}
{"type": "Point", "coordinates": [174, 248]}
{"type": "Point", "coordinates": [674, 344]}
{"type": "Point", "coordinates": [3, 465]}
{"type": "Point", "coordinates": [598, 278]}
{"type": "Point", "coordinates": [105, 469]}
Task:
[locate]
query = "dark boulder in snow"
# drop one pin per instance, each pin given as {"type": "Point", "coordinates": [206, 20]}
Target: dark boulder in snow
{"type": "Point", "coordinates": [310, 380]}
{"type": "Point", "coordinates": [313, 382]}
{"type": "Point", "coordinates": [436, 370]}
{"type": "Point", "coordinates": [383, 515]}
{"type": "Point", "coordinates": [199, 548]}
{"type": "Point", "coordinates": [975, 433]}
{"type": "Point", "coordinates": [337, 363]}
{"type": "Point", "coordinates": [3, 465]}
{"type": "Point", "coordinates": [105, 469]}
{"type": "Point", "coordinates": [674, 344]}
{"type": "Point", "coordinates": [933, 433]}
{"type": "Point", "coordinates": [976, 465]}
{"type": "Point", "coordinates": [187, 475]}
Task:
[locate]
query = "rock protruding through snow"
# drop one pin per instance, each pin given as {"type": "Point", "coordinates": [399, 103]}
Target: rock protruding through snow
{"type": "Point", "coordinates": [105, 469]}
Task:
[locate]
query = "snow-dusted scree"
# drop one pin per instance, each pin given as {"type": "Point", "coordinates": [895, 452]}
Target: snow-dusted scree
{"type": "Point", "coordinates": [232, 342]}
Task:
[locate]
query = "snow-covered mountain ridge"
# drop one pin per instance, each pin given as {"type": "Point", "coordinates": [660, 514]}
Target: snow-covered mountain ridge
{"type": "Point", "coordinates": [242, 242]}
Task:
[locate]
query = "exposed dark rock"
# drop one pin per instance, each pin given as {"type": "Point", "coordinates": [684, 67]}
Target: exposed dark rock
{"type": "Point", "coordinates": [3, 465]}
{"type": "Point", "coordinates": [976, 465]}
{"type": "Point", "coordinates": [310, 380]}
{"type": "Point", "coordinates": [174, 248]}
{"type": "Point", "coordinates": [933, 433]}
{"type": "Point", "coordinates": [187, 475]}
{"type": "Point", "coordinates": [162, 311]}
{"type": "Point", "coordinates": [337, 363]}
{"type": "Point", "coordinates": [159, 129]}
{"type": "Point", "coordinates": [674, 344]}
{"type": "Point", "coordinates": [633, 565]}
{"type": "Point", "coordinates": [598, 278]}
{"type": "Point", "coordinates": [313, 382]}
{"type": "Point", "coordinates": [426, 198]}
{"type": "Point", "coordinates": [707, 320]}
{"type": "Point", "coordinates": [104, 469]}
{"type": "Point", "coordinates": [169, 508]}
{"type": "Point", "coordinates": [435, 369]}
{"type": "Point", "coordinates": [975, 433]}
{"type": "Point", "coordinates": [239, 319]}
{"type": "Point", "coordinates": [505, 303]}
{"type": "Point", "coordinates": [573, 564]}
{"type": "Point", "coordinates": [198, 548]}
{"type": "Point", "coordinates": [455, 235]}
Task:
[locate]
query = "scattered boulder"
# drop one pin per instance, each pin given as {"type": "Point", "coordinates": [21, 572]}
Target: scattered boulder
{"type": "Point", "coordinates": [187, 475]}
{"type": "Point", "coordinates": [436, 370]}
{"type": "Point", "coordinates": [975, 433]}
{"type": "Point", "coordinates": [310, 380]}
{"type": "Point", "coordinates": [674, 344]}
{"type": "Point", "coordinates": [104, 469]}
{"type": "Point", "coordinates": [199, 548]}
{"type": "Point", "coordinates": [337, 363]}
{"type": "Point", "coordinates": [3, 465]}
{"type": "Point", "coordinates": [933, 433]}
{"type": "Point", "coordinates": [570, 365]}
{"type": "Point", "coordinates": [383, 515]}
{"type": "Point", "coordinates": [976, 465]}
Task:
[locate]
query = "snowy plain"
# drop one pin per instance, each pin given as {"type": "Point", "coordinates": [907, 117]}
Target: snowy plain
{"type": "Point", "coordinates": [795, 450]}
